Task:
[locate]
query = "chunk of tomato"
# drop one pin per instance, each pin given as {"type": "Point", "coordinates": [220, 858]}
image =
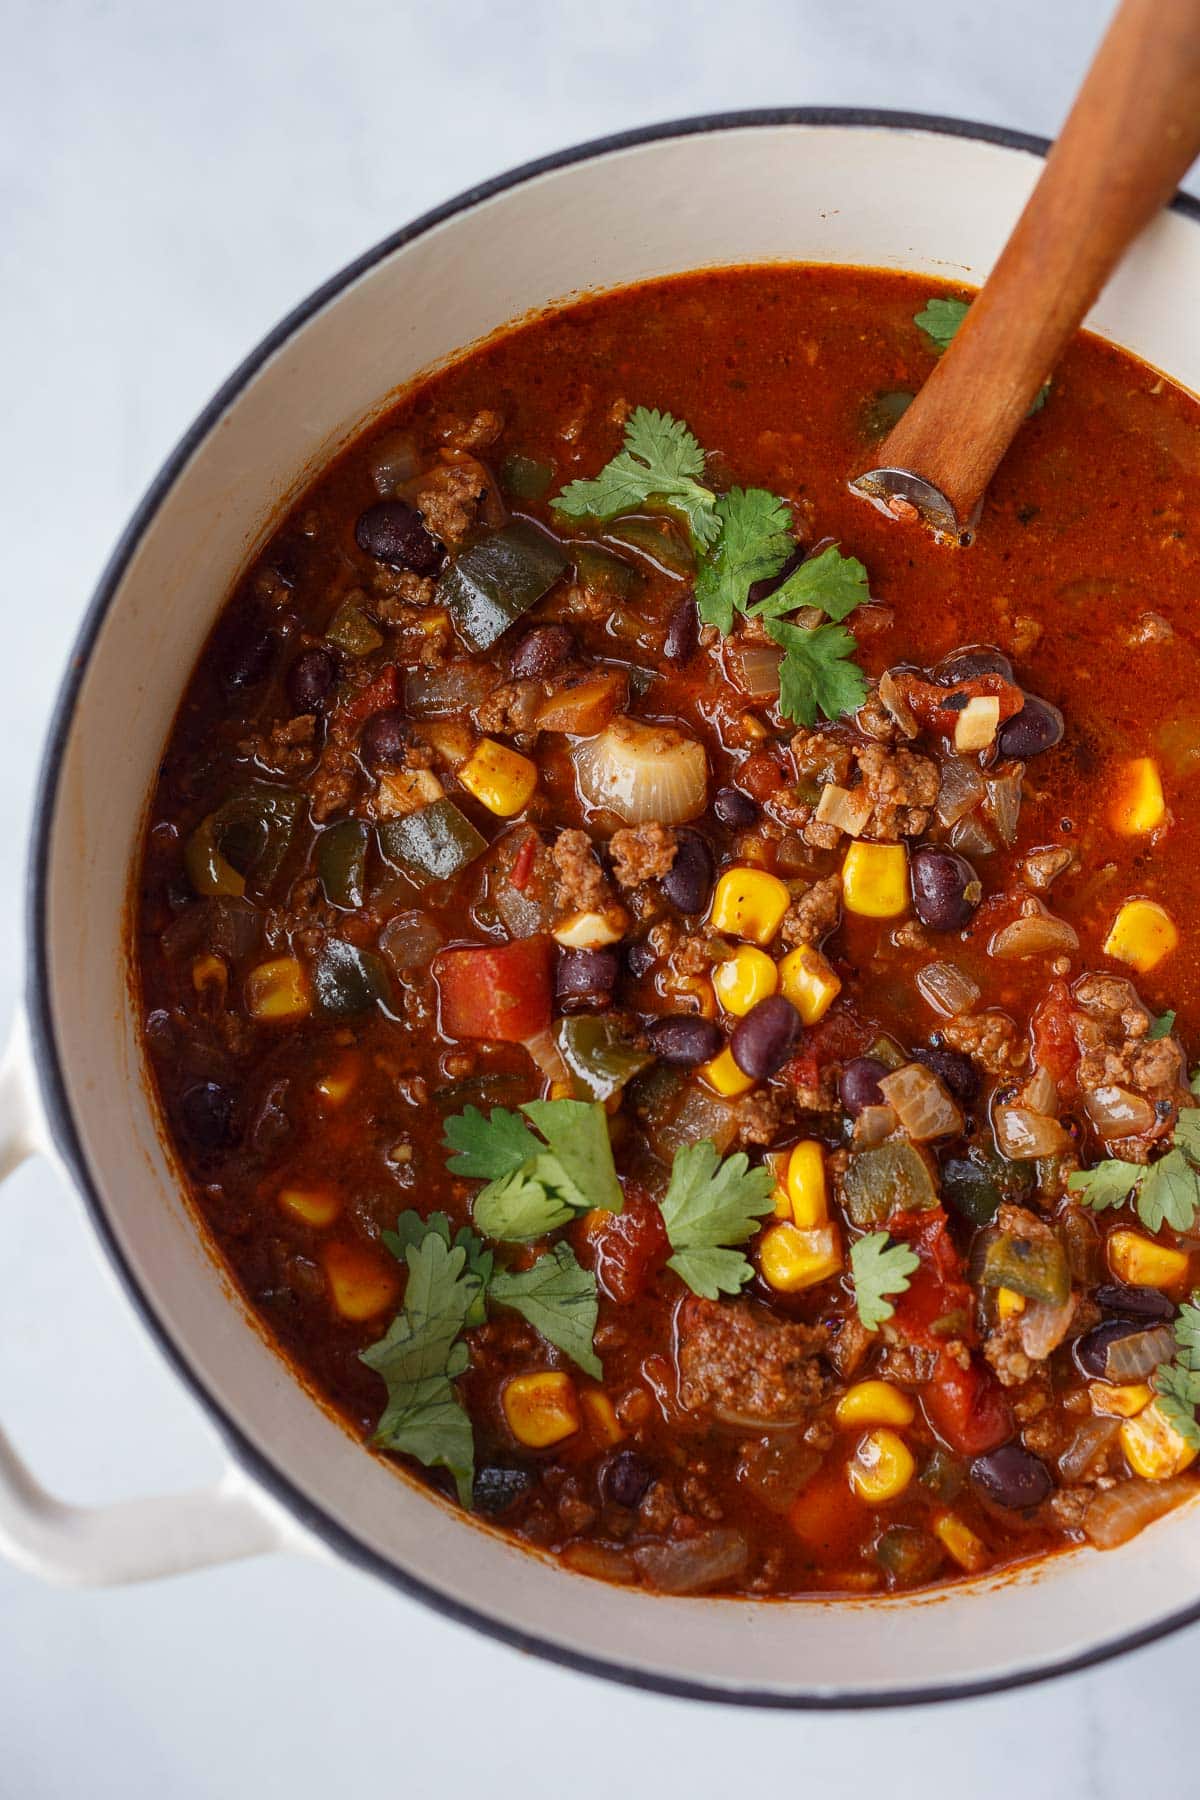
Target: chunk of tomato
{"type": "Point", "coordinates": [502, 991]}
{"type": "Point", "coordinates": [377, 696]}
{"type": "Point", "coordinates": [967, 1407]}
{"type": "Point", "coordinates": [938, 1303]}
{"type": "Point", "coordinates": [1054, 1046]}
{"type": "Point", "coordinates": [630, 1246]}
{"type": "Point", "coordinates": [938, 708]}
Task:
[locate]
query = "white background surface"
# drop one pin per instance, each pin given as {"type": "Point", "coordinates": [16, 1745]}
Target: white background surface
{"type": "Point", "coordinates": [173, 179]}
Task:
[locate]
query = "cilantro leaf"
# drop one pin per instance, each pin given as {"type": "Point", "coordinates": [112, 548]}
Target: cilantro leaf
{"type": "Point", "coordinates": [1108, 1184]}
{"type": "Point", "coordinates": [940, 319]}
{"type": "Point", "coordinates": [879, 1268]}
{"type": "Point", "coordinates": [577, 1133]}
{"type": "Point", "coordinates": [528, 1204]}
{"type": "Point", "coordinates": [420, 1356]}
{"type": "Point", "coordinates": [1177, 1383]}
{"type": "Point", "coordinates": [1187, 1332]}
{"type": "Point", "coordinates": [411, 1229]}
{"type": "Point", "coordinates": [1163, 1192]}
{"type": "Point", "coordinates": [1194, 1083]}
{"type": "Point", "coordinates": [755, 542]}
{"type": "Point", "coordinates": [488, 1148]}
{"type": "Point", "coordinates": [1187, 1133]}
{"type": "Point", "coordinates": [816, 674]}
{"type": "Point", "coordinates": [661, 460]}
{"type": "Point", "coordinates": [708, 1205]}
{"type": "Point", "coordinates": [558, 1298]}
{"type": "Point", "coordinates": [1169, 1193]}
{"type": "Point", "coordinates": [1162, 1026]}
{"type": "Point", "coordinates": [835, 583]}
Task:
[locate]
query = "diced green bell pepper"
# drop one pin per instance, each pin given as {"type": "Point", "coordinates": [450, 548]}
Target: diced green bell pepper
{"type": "Point", "coordinates": [975, 1185]}
{"type": "Point", "coordinates": [524, 477]}
{"type": "Point", "coordinates": [887, 1051]}
{"type": "Point", "coordinates": [431, 845]}
{"type": "Point", "coordinates": [892, 1178]}
{"type": "Point", "coordinates": [246, 838]}
{"type": "Point", "coordinates": [883, 411]}
{"type": "Point", "coordinates": [1037, 1269]}
{"type": "Point", "coordinates": [599, 1054]}
{"type": "Point", "coordinates": [600, 570]}
{"type": "Point", "coordinates": [346, 980]}
{"type": "Point", "coordinates": [943, 1475]}
{"type": "Point", "coordinates": [491, 583]}
{"type": "Point", "coordinates": [907, 1553]}
{"type": "Point", "coordinates": [660, 539]}
{"type": "Point", "coordinates": [342, 862]}
{"type": "Point", "coordinates": [351, 630]}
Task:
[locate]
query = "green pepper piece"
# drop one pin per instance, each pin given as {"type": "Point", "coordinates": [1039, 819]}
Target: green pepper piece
{"type": "Point", "coordinates": [943, 1475]}
{"type": "Point", "coordinates": [1036, 1269]}
{"type": "Point", "coordinates": [887, 1051]}
{"type": "Point", "coordinates": [248, 836]}
{"type": "Point", "coordinates": [908, 1553]}
{"type": "Point", "coordinates": [491, 583]}
{"type": "Point", "coordinates": [600, 570]}
{"type": "Point", "coordinates": [352, 631]}
{"type": "Point", "coordinates": [970, 1189]}
{"type": "Point", "coordinates": [660, 539]}
{"type": "Point", "coordinates": [524, 477]}
{"type": "Point", "coordinates": [346, 980]}
{"type": "Point", "coordinates": [431, 845]}
{"type": "Point", "coordinates": [342, 862]}
{"type": "Point", "coordinates": [599, 1054]}
{"type": "Point", "coordinates": [892, 1178]}
{"type": "Point", "coordinates": [883, 411]}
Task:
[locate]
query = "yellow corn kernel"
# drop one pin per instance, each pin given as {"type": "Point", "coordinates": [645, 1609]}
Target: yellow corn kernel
{"type": "Point", "coordinates": [968, 1551]}
{"type": "Point", "coordinates": [806, 979]}
{"type": "Point", "coordinates": [744, 979]}
{"type": "Point", "coordinates": [750, 904]}
{"type": "Point", "coordinates": [500, 779]}
{"type": "Point", "coordinates": [1119, 1402]}
{"type": "Point", "coordinates": [1143, 932]}
{"type": "Point", "coordinates": [791, 1259]}
{"type": "Point", "coordinates": [277, 991]}
{"type": "Point", "coordinates": [361, 1284]}
{"type": "Point", "coordinates": [541, 1409]}
{"type": "Point", "coordinates": [807, 1194]}
{"type": "Point", "coordinates": [338, 1082]}
{"type": "Point", "coordinates": [312, 1206]}
{"type": "Point", "coordinates": [723, 1074]}
{"type": "Point", "coordinates": [406, 791]}
{"type": "Point", "coordinates": [882, 1467]}
{"type": "Point", "coordinates": [600, 1416]}
{"type": "Point", "coordinates": [874, 1403]}
{"type": "Point", "coordinates": [209, 975]}
{"type": "Point", "coordinates": [1141, 1262]}
{"type": "Point", "coordinates": [1138, 805]}
{"type": "Point", "coordinates": [875, 880]}
{"type": "Point", "coordinates": [1009, 1304]}
{"type": "Point", "coordinates": [1153, 1448]}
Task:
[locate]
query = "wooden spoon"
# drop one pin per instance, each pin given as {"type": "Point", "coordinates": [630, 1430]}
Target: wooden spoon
{"type": "Point", "coordinates": [1131, 135]}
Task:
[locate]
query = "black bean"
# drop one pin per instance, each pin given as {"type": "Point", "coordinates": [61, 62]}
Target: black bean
{"type": "Point", "coordinates": [765, 1038]}
{"type": "Point", "coordinates": [640, 958]}
{"type": "Point", "coordinates": [760, 589]}
{"type": "Point", "coordinates": [206, 1112]}
{"type": "Point", "coordinates": [310, 680]}
{"type": "Point", "coordinates": [585, 978]}
{"type": "Point", "coordinates": [952, 1067]}
{"type": "Point", "coordinates": [734, 809]}
{"type": "Point", "coordinates": [625, 1478]}
{"type": "Point", "coordinates": [683, 633]}
{"type": "Point", "coordinates": [541, 651]}
{"type": "Point", "coordinates": [384, 739]}
{"type": "Point", "coordinates": [1012, 1477]}
{"type": "Point", "coordinates": [687, 884]}
{"type": "Point", "coordinates": [245, 653]}
{"type": "Point", "coordinates": [394, 532]}
{"type": "Point", "coordinates": [966, 664]}
{"type": "Point", "coordinates": [859, 1086]}
{"type": "Point", "coordinates": [945, 888]}
{"type": "Point", "coordinates": [1037, 727]}
{"type": "Point", "coordinates": [684, 1040]}
{"type": "Point", "coordinates": [1091, 1350]}
{"type": "Point", "coordinates": [1134, 1302]}
{"type": "Point", "coordinates": [496, 1489]}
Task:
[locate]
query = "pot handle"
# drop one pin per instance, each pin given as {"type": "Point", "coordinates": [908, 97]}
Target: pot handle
{"type": "Point", "coordinates": [132, 1540]}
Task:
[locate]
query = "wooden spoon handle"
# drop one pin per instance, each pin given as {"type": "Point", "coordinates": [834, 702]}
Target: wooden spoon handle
{"type": "Point", "coordinates": [1131, 135]}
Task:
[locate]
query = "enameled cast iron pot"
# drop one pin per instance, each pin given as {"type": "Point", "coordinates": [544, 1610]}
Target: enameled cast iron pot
{"type": "Point", "coordinates": [879, 190]}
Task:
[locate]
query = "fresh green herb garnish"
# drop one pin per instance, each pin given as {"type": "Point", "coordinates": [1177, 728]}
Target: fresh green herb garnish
{"type": "Point", "coordinates": [1166, 1192]}
{"type": "Point", "coordinates": [558, 1298]}
{"type": "Point", "coordinates": [1162, 1026]}
{"type": "Point", "coordinates": [411, 1232]}
{"type": "Point", "coordinates": [816, 674]}
{"type": "Point", "coordinates": [1177, 1383]}
{"type": "Point", "coordinates": [661, 460]}
{"type": "Point", "coordinates": [535, 1184]}
{"type": "Point", "coordinates": [708, 1206]}
{"type": "Point", "coordinates": [940, 321]}
{"type": "Point", "coordinates": [755, 542]}
{"type": "Point", "coordinates": [833, 582]}
{"type": "Point", "coordinates": [879, 1268]}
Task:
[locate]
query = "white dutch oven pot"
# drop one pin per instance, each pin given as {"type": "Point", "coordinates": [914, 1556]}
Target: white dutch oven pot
{"type": "Point", "coordinates": [854, 188]}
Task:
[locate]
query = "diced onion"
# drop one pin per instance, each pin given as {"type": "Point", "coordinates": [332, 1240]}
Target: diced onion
{"type": "Point", "coordinates": [1134, 1357]}
{"type": "Point", "coordinates": [1117, 1112]}
{"type": "Point", "coordinates": [847, 808]}
{"type": "Point", "coordinates": [969, 836]}
{"type": "Point", "coordinates": [1040, 1094]}
{"type": "Point", "coordinates": [394, 460]}
{"type": "Point", "coordinates": [754, 668]}
{"type": "Point", "coordinates": [1119, 1513]}
{"type": "Point", "coordinates": [700, 1114]}
{"type": "Point", "coordinates": [896, 706]}
{"type": "Point", "coordinates": [689, 1565]}
{"type": "Point", "coordinates": [1087, 1445]}
{"type": "Point", "coordinates": [599, 1561]}
{"type": "Point", "coordinates": [454, 689]}
{"type": "Point", "coordinates": [873, 1124]}
{"type": "Point", "coordinates": [1021, 1133]}
{"type": "Point", "coordinates": [975, 726]}
{"type": "Point", "coordinates": [641, 772]}
{"type": "Point", "coordinates": [922, 1104]}
{"type": "Point", "coordinates": [1003, 805]}
{"type": "Point", "coordinates": [1043, 1326]}
{"type": "Point", "coordinates": [410, 940]}
{"type": "Point", "coordinates": [1038, 933]}
{"type": "Point", "coordinates": [547, 1056]}
{"type": "Point", "coordinates": [947, 989]}
{"type": "Point", "coordinates": [961, 790]}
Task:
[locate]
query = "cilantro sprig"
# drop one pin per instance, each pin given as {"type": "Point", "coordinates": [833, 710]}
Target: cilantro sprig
{"type": "Point", "coordinates": [537, 1180]}
{"type": "Point", "coordinates": [879, 1268]}
{"type": "Point", "coordinates": [1177, 1383]}
{"type": "Point", "coordinates": [755, 542]}
{"type": "Point", "coordinates": [711, 1205]}
{"type": "Point", "coordinates": [940, 320]}
{"type": "Point", "coordinates": [1166, 1192]}
{"type": "Point", "coordinates": [660, 460]}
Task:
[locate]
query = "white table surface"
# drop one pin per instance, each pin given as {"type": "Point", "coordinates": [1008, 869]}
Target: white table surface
{"type": "Point", "coordinates": [172, 180]}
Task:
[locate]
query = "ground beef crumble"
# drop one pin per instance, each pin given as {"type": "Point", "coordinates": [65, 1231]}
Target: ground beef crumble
{"type": "Point", "coordinates": [744, 1366]}
{"type": "Point", "coordinates": [642, 853]}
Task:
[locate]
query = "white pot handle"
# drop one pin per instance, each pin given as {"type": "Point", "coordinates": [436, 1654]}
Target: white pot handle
{"type": "Point", "coordinates": [133, 1540]}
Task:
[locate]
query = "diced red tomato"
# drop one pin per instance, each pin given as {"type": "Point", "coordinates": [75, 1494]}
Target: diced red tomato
{"type": "Point", "coordinates": [1054, 1046]}
{"type": "Point", "coordinates": [383, 692]}
{"type": "Point", "coordinates": [838, 1037]}
{"type": "Point", "coordinates": [967, 1407]}
{"type": "Point", "coordinates": [760, 776]}
{"type": "Point", "coordinates": [503, 992]}
{"type": "Point", "coordinates": [938, 1294]}
{"type": "Point", "coordinates": [629, 1246]}
{"type": "Point", "coordinates": [937, 708]}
